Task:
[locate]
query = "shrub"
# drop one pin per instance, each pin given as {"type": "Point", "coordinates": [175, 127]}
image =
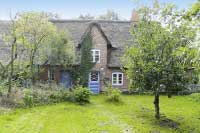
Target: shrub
{"type": "Point", "coordinates": [195, 97]}
{"type": "Point", "coordinates": [3, 87]}
{"type": "Point", "coordinates": [60, 96]}
{"type": "Point", "coordinates": [14, 100]}
{"type": "Point", "coordinates": [113, 94]}
{"type": "Point", "coordinates": [35, 96]}
{"type": "Point", "coordinates": [82, 95]}
{"type": "Point", "coordinates": [28, 98]}
{"type": "Point", "coordinates": [185, 92]}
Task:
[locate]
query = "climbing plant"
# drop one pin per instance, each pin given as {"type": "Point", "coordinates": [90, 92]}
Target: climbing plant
{"type": "Point", "coordinates": [86, 60]}
{"type": "Point", "coordinates": [81, 73]}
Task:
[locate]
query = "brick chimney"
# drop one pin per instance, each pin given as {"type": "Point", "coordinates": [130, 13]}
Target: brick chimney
{"type": "Point", "coordinates": [134, 17]}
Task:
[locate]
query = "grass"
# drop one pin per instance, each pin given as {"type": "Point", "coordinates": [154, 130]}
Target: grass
{"type": "Point", "coordinates": [134, 115]}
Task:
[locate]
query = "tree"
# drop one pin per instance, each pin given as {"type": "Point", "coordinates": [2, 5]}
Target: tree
{"type": "Point", "coordinates": [86, 17]}
{"type": "Point", "coordinates": [162, 54]}
{"type": "Point", "coordinates": [194, 11]}
{"type": "Point", "coordinates": [59, 50]}
{"type": "Point", "coordinates": [109, 15]}
{"type": "Point", "coordinates": [33, 30]}
{"type": "Point", "coordinates": [7, 70]}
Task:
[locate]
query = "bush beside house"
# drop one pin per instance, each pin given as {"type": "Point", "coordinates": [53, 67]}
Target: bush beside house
{"type": "Point", "coordinates": [44, 95]}
{"type": "Point", "coordinates": [113, 94]}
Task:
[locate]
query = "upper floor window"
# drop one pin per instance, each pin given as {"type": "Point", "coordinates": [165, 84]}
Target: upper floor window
{"type": "Point", "coordinates": [117, 78]}
{"type": "Point", "coordinates": [95, 55]}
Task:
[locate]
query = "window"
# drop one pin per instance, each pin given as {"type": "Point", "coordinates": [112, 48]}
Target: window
{"type": "Point", "coordinates": [51, 74]}
{"type": "Point", "coordinates": [94, 76]}
{"type": "Point", "coordinates": [95, 55]}
{"type": "Point", "coordinates": [117, 78]}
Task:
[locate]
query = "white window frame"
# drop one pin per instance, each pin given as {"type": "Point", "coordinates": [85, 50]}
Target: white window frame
{"type": "Point", "coordinates": [93, 55]}
{"type": "Point", "coordinates": [51, 72]}
{"type": "Point", "coordinates": [117, 78]}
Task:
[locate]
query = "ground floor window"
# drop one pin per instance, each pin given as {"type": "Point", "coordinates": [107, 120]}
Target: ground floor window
{"type": "Point", "coordinates": [51, 74]}
{"type": "Point", "coordinates": [117, 78]}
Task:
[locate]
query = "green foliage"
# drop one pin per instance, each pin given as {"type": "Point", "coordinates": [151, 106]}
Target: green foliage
{"type": "Point", "coordinates": [33, 30]}
{"type": "Point", "coordinates": [36, 97]}
{"type": "Point", "coordinates": [185, 92]}
{"type": "Point", "coordinates": [28, 98]}
{"type": "Point", "coordinates": [193, 12]}
{"type": "Point", "coordinates": [3, 87]}
{"type": "Point", "coordinates": [59, 50]}
{"type": "Point", "coordinates": [86, 17]}
{"type": "Point", "coordinates": [82, 95]}
{"type": "Point", "coordinates": [114, 118]}
{"type": "Point", "coordinates": [109, 15]}
{"type": "Point", "coordinates": [161, 56]}
{"type": "Point", "coordinates": [86, 60]}
{"type": "Point", "coordinates": [195, 97]}
{"type": "Point", "coordinates": [113, 94]}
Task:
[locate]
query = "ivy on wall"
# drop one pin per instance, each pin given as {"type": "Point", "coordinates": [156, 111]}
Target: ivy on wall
{"type": "Point", "coordinates": [86, 60]}
{"type": "Point", "coordinates": [80, 73]}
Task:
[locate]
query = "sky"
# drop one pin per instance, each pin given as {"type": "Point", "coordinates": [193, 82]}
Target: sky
{"type": "Point", "coordinates": [71, 9]}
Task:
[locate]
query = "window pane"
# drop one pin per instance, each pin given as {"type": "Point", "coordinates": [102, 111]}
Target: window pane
{"type": "Point", "coordinates": [94, 76]}
{"type": "Point", "coordinates": [114, 79]}
{"type": "Point", "coordinates": [95, 55]}
{"type": "Point", "coordinates": [117, 78]}
{"type": "Point", "coordinates": [51, 74]}
{"type": "Point", "coordinates": [97, 58]}
{"type": "Point", "coordinates": [96, 52]}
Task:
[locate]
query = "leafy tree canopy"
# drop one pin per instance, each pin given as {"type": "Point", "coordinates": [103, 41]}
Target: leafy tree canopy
{"type": "Point", "coordinates": [162, 56]}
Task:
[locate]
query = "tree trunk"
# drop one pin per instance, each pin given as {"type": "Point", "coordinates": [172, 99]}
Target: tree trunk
{"type": "Point", "coordinates": [32, 66]}
{"type": "Point", "coordinates": [169, 95]}
{"type": "Point", "coordinates": [156, 104]}
{"type": "Point", "coordinates": [11, 70]}
{"type": "Point", "coordinates": [32, 72]}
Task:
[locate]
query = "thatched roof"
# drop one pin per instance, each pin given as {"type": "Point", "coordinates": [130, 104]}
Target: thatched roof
{"type": "Point", "coordinates": [117, 33]}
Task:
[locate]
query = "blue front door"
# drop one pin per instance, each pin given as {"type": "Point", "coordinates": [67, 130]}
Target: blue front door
{"type": "Point", "coordinates": [65, 79]}
{"type": "Point", "coordinates": [94, 82]}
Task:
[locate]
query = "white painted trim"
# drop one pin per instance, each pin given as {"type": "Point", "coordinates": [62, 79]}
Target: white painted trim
{"type": "Point", "coordinates": [93, 55]}
{"type": "Point", "coordinates": [50, 74]}
{"type": "Point", "coordinates": [117, 80]}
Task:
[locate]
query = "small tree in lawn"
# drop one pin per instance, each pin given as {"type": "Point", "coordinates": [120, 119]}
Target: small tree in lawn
{"type": "Point", "coordinates": [162, 51]}
{"type": "Point", "coordinates": [33, 29]}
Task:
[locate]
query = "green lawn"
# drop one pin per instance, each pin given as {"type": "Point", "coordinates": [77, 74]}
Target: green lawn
{"type": "Point", "coordinates": [134, 115]}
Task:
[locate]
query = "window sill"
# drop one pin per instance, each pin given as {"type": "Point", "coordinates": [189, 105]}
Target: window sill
{"type": "Point", "coordinates": [117, 84]}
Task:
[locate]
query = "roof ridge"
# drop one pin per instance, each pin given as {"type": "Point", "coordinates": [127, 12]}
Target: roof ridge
{"type": "Point", "coordinates": [77, 20]}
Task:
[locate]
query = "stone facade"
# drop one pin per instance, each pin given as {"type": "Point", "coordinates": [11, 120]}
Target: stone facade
{"type": "Point", "coordinates": [100, 43]}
